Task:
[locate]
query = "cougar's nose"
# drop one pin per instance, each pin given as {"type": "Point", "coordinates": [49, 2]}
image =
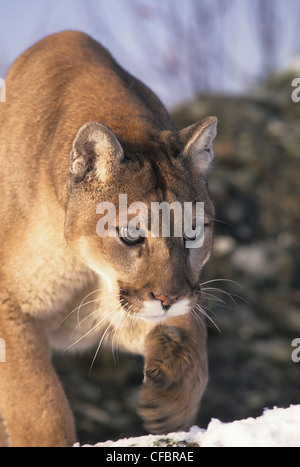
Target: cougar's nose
{"type": "Point", "coordinates": [168, 301]}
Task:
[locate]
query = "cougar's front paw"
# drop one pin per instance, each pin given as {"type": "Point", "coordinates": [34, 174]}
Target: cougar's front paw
{"type": "Point", "coordinates": [164, 402]}
{"type": "Point", "coordinates": [175, 376]}
{"type": "Point", "coordinates": [157, 401]}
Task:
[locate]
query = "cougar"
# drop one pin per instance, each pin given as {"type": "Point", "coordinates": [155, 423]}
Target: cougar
{"type": "Point", "coordinates": [77, 130]}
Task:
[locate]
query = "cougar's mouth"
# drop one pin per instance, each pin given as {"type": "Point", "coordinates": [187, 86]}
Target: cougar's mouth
{"type": "Point", "coordinates": [152, 310]}
{"type": "Point", "coordinates": [155, 312]}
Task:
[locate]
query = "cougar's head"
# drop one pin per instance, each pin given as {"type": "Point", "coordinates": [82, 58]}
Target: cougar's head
{"type": "Point", "coordinates": [140, 216]}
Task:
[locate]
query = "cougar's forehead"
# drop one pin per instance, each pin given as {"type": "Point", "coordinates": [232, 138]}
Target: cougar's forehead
{"type": "Point", "coordinates": [156, 179]}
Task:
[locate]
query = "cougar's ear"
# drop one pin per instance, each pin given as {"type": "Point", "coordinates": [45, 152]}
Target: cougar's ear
{"type": "Point", "coordinates": [196, 141]}
{"type": "Point", "coordinates": [95, 148]}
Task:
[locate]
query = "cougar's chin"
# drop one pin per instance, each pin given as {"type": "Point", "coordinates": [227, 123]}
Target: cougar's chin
{"type": "Point", "coordinates": [154, 312]}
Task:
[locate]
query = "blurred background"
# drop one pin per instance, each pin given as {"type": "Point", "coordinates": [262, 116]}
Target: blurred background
{"type": "Point", "coordinates": [235, 59]}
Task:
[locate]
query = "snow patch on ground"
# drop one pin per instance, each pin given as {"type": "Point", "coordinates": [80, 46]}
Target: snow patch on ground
{"type": "Point", "coordinates": [274, 428]}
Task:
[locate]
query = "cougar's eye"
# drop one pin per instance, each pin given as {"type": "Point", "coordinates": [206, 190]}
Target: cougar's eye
{"type": "Point", "coordinates": [130, 236]}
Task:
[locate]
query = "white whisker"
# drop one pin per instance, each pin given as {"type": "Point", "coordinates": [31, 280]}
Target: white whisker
{"type": "Point", "coordinates": [101, 340]}
{"type": "Point", "coordinates": [197, 317]}
{"type": "Point", "coordinates": [211, 296]}
{"type": "Point", "coordinates": [113, 347]}
{"type": "Point", "coordinates": [71, 312]}
{"type": "Point", "coordinates": [87, 317]}
{"type": "Point", "coordinates": [230, 295]}
{"type": "Point", "coordinates": [92, 301]}
{"type": "Point", "coordinates": [201, 309]}
{"type": "Point", "coordinates": [222, 280]}
{"type": "Point", "coordinates": [83, 300]}
{"type": "Point", "coordinates": [220, 303]}
{"type": "Point", "coordinates": [92, 329]}
{"type": "Point", "coordinates": [83, 305]}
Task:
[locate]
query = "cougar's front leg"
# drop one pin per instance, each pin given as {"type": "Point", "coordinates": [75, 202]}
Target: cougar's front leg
{"type": "Point", "coordinates": [32, 402]}
{"type": "Point", "coordinates": [175, 375]}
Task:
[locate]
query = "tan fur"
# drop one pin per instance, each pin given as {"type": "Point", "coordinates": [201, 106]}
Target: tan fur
{"type": "Point", "coordinates": [77, 130]}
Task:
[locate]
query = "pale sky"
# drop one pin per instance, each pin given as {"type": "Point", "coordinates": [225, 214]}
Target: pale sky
{"type": "Point", "coordinates": [136, 33]}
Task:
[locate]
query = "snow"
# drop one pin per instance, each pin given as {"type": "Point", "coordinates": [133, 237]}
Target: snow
{"type": "Point", "coordinates": [274, 428]}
